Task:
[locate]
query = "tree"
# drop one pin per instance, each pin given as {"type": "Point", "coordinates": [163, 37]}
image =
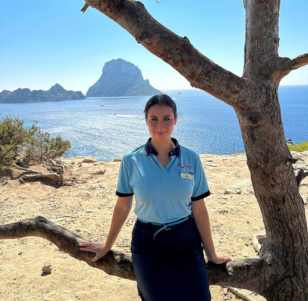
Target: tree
{"type": "Point", "coordinates": [12, 136]}
{"type": "Point", "coordinates": [28, 144]}
{"type": "Point", "coordinates": [281, 271]}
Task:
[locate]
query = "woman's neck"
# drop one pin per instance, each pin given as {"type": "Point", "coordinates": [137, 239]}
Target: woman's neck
{"type": "Point", "coordinates": [163, 147]}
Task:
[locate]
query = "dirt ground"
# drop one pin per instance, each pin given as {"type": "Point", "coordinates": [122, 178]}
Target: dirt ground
{"type": "Point", "coordinates": [86, 207]}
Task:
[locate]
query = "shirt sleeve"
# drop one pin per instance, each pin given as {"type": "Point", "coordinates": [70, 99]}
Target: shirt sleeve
{"type": "Point", "coordinates": [123, 188]}
{"type": "Point", "coordinates": [201, 189]}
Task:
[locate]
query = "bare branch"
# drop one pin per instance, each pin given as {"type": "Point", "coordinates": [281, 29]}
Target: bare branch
{"type": "Point", "coordinates": [286, 65]}
{"type": "Point", "coordinates": [240, 294]}
{"type": "Point", "coordinates": [240, 273]}
{"type": "Point", "coordinates": [300, 61]}
{"type": "Point", "coordinates": [53, 177]}
{"type": "Point", "coordinates": [27, 169]}
{"type": "Point", "coordinates": [290, 160]}
{"type": "Point", "coordinates": [84, 8]}
{"type": "Point", "coordinates": [178, 52]}
{"type": "Point", "coordinates": [257, 241]}
{"type": "Point", "coordinates": [301, 175]}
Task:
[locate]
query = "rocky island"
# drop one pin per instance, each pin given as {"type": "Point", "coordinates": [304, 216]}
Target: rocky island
{"type": "Point", "coordinates": [55, 93]}
{"type": "Point", "coordinates": [121, 78]}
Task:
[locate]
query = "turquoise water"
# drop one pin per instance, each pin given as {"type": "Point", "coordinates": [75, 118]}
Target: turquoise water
{"type": "Point", "coordinates": [205, 124]}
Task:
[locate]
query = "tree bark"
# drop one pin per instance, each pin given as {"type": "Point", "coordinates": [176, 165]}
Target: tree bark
{"type": "Point", "coordinates": [268, 156]}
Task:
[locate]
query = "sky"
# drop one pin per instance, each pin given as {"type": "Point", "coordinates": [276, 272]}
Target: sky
{"type": "Point", "coordinates": [48, 42]}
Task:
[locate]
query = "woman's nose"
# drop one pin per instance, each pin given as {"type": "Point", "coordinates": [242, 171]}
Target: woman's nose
{"type": "Point", "coordinates": [160, 124]}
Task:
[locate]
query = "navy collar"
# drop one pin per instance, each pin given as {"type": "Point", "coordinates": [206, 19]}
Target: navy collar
{"type": "Point", "coordinates": [176, 151]}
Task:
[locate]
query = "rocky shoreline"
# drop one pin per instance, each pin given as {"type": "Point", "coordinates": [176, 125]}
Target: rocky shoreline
{"type": "Point", "coordinates": [55, 93]}
{"type": "Point", "coordinates": [85, 206]}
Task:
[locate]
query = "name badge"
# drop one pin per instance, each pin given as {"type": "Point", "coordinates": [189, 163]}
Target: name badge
{"type": "Point", "coordinates": [187, 175]}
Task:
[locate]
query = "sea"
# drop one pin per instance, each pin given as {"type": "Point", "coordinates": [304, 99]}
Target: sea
{"type": "Point", "coordinates": [107, 128]}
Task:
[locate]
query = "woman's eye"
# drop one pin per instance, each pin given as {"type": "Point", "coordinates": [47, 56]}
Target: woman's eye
{"type": "Point", "coordinates": [153, 119]}
{"type": "Point", "coordinates": [167, 119]}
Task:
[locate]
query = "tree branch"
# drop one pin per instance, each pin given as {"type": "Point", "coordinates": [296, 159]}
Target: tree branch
{"type": "Point", "coordinates": [301, 175]}
{"type": "Point", "coordinates": [26, 169]}
{"type": "Point", "coordinates": [240, 273]}
{"type": "Point", "coordinates": [240, 294]}
{"type": "Point", "coordinates": [53, 177]}
{"type": "Point", "coordinates": [286, 65]}
{"type": "Point", "coordinates": [299, 61]}
{"type": "Point", "coordinates": [178, 52]}
{"type": "Point", "coordinates": [84, 8]}
{"type": "Point", "coordinates": [114, 263]}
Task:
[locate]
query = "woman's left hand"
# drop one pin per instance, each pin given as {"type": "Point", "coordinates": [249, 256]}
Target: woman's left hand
{"type": "Point", "coordinates": [219, 258]}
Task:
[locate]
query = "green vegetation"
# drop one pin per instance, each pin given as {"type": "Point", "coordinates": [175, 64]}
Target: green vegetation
{"type": "Point", "coordinates": [301, 147]}
{"type": "Point", "coordinates": [27, 145]}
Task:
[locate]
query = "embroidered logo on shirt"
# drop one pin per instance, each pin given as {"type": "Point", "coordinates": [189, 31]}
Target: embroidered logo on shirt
{"type": "Point", "coordinates": [182, 166]}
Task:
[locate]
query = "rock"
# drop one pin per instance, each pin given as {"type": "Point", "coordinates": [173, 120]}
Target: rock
{"type": "Point", "coordinates": [20, 252]}
{"type": "Point", "coordinates": [237, 191]}
{"type": "Point", "coordinates": [46, 268]}
{"type": "Point", "coordinates": [87, 195]}
{"type": "Point", "coordinates": [121, 78]}
{"type": "Point", "coordinates": [89, 160]}
{"type": "Point", "coordinates": [225, 291]}
{"type": "Point", "coordinates": [100, 171]}
{"type": "Point", "coordinates": [233, 191]}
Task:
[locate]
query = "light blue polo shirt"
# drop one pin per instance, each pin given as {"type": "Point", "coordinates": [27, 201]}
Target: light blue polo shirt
{"type": "Point", "coordinates": [162, 195]}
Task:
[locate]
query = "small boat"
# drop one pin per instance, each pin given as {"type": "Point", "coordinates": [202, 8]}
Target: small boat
{"type": "Point", "coordinates": [102, 104]}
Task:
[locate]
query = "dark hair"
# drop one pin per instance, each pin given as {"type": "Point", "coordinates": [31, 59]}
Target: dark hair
{"type": "Point", "coordinates": [160, 99]}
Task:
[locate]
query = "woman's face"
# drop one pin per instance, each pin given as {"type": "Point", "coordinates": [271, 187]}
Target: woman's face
{"type": "Point", "coordinates": [160, 121]}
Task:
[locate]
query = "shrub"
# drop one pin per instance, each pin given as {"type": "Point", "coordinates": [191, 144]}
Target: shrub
{"type": "Point", "coordinates": [28, 144]}
{"type": "Point", "coordinates": [301, 147]}
{"type": "Point", "coordinates": [12, 135]}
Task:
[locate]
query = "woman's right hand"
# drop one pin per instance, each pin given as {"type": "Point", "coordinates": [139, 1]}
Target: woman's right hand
{"type": "Point", "coordinates": [98, 248]}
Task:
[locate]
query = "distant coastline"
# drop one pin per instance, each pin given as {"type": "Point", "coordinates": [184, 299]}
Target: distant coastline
{"type": "Point", "coordinates": [55, 93]}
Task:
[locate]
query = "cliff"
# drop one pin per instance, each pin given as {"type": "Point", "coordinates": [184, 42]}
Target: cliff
{"type": "Point", "coordinates": [55, 93]}
{"type": "Point", "coordinates": [121, 78]}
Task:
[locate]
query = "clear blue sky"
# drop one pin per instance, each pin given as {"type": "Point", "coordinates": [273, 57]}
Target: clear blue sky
{"type": "Point", "coordinates": [47, 42]}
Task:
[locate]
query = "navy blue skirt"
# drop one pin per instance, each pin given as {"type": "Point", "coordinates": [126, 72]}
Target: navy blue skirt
{"type": "Point", "coordinates": [171, 265]}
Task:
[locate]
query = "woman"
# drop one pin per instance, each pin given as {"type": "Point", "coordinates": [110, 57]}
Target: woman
{"type": "Point", "coordinates": [173, 226]}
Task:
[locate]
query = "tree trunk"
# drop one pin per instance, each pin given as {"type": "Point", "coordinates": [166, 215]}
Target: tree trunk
{"type": "Point", "coordinates": [275, 186]}
{"type": "Point", "coordinates": [268, 158]}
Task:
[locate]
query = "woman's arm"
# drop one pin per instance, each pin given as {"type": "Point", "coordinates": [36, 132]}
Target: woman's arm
{"type": "Point", "coordinates": [202, 220]}
{"type": "Point", "coordinates": [120, 214]}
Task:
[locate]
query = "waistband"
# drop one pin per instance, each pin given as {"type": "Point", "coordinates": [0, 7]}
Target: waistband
{"type": "Point", "coordinates": [160, 227]}
{"type": "Point", "coordinates": [181, 220]}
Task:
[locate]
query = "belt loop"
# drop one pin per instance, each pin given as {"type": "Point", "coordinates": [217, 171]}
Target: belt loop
{"type": "Point", "coordinates": [170, 224]}
{"type": "Point", "coordinates": [166, 228]}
